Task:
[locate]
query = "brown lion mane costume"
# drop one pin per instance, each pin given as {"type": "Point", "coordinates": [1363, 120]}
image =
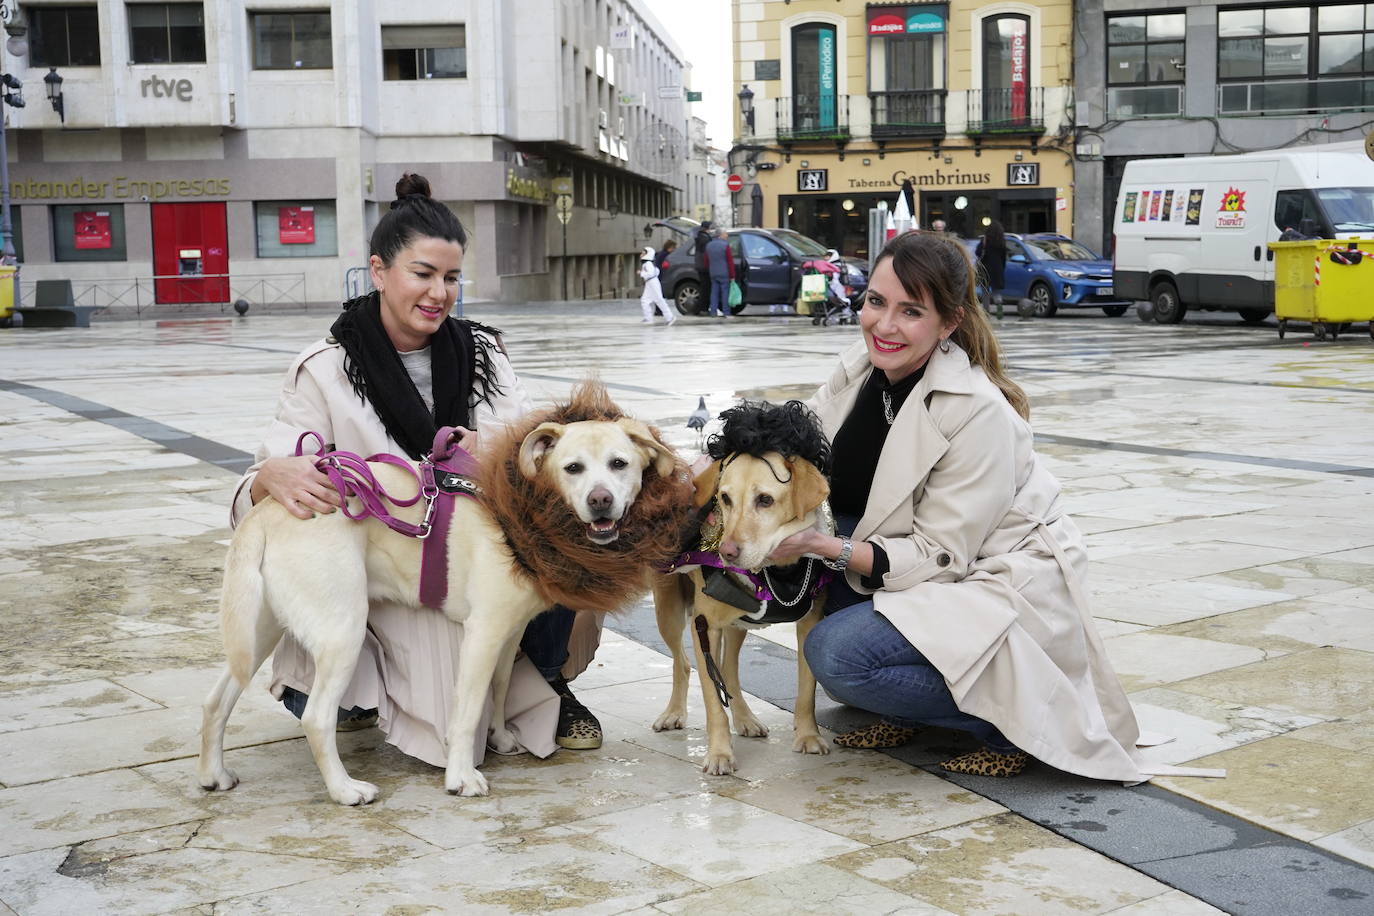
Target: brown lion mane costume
{"type": "Point", "coordinates": [549, 542]}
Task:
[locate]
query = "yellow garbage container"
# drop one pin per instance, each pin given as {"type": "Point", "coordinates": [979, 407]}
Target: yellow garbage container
{"type": "Point", "coordinates": [1324, 282]}
{"type": "Point", "coordinates": [8, 292]}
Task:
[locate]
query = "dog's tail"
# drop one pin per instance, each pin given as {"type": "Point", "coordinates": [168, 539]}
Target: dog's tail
{"type": "Point", "coordinates": [242, 608]}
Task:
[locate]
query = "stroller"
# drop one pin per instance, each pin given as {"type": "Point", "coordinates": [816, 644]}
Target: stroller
{"type": "Point", "coordinates": [827, 295]}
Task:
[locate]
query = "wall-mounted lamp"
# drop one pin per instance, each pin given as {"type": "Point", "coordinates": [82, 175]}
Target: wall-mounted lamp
{"type": "Point", "coordinates": [868, 162]}
{"type": "Point", "coordinates": [746, 108]}
{"type": "Point", "coordinates": [612, 211]}
{"type": "Point", "coordinates": [1018, 156]}
{"type": "Point", "coordinates": [949, 160]}
{"type": "Point", "coordinates": [54, 84]}
{"type": "Point", "coordinates": [805, 164]}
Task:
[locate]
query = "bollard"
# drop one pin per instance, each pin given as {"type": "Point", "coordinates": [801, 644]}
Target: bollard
{"type": "Point", "coordinates": [241, 306]}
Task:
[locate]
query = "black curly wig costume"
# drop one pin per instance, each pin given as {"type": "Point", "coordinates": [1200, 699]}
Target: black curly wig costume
{"type": "Point", "coordinates": [756, 427]}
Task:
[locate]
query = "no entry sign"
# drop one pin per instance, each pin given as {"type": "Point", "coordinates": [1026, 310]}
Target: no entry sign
{"type": "Point", "coordinates": [734, 183]}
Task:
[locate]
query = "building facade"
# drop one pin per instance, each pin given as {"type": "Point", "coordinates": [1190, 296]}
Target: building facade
{"type": "Point", "coordinates": [213, 150]}
{"type": "Point", "coordinates": [1180, 78]}
{"type": "Point", "coordinates": [842, 103]}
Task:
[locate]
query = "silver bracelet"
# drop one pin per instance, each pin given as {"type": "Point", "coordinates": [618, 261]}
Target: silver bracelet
{"type": "Point", "coordinates": [840, 563]}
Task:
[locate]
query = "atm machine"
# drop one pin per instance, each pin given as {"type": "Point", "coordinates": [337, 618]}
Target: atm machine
{"type": "Point", "coordinates": [190, 253]}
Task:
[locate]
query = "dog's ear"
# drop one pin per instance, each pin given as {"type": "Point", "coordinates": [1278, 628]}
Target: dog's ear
{"type": "Point", "coordinates": [661, 456]}
{"type": "Point", "coordinates": [809, 487]}
{"type": "Point", "coordinates": [705, 483]}
{"type": "Point", "coordinates": [544, 437]}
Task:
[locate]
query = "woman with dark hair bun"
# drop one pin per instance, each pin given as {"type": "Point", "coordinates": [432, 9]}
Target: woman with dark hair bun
{"type": "Point", "coordinates": [960, 603]}
{"type": "Point", "coordinates": [397, 366]}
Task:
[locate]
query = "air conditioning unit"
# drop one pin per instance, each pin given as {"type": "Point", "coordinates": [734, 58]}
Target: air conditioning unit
{"type": "Point", "coordinates": [620, 127]}
{"type": "Point", "coordinates": [603, 120]}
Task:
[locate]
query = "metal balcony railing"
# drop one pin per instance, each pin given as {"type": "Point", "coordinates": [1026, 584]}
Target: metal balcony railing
{"type": "Point", "coordinates": [1288, 97]}
{"type": "Point", "coordinates": [908, 113]}
{"type": "Point", "coordinates": [1006, 111]}
{"type": "Point", "coordinates": [1145, 101]}
{"type": "Point", "coordinates": [808, 117]}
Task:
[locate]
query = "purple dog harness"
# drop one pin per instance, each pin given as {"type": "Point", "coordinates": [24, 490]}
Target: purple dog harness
{"type": "Point", "coordinates": [446, 472]}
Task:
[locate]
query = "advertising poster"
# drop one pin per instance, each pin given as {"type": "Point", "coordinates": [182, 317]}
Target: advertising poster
{"type": "Point", "coordinates": [296, 225]}
{"type": "Point", "coordinates": [91, 229]}
{"type": "Point", "coordinates": [1231, 213]}
{"type": "Point", "coordinates": [1018, 71]}
{"type": "Point", "coordinates": [1143, 211]}
{"type": "Point", "coordinates": [1154, 206]}
{"type": "Point", "coordinates": [1128, 208]}
{"type": "Point", "coordinates": [1194, 206]}
{"type": "Point", "coordinates": [1179, 203]}
{"type": "Point", "coordinates": [1168, 204]}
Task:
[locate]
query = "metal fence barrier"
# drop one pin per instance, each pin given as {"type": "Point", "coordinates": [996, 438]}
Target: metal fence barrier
{"type": "Point", "coordinates": [141, 293]}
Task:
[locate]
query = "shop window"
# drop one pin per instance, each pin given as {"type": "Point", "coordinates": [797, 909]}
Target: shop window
{"type": "Point", "coordinates": [167, 33]}
{"type": "Point", "coordinates": [292, 41]}
{"type": "Point", "coordinates": [1278, 60]}
{"type": "Point", "coordinates": [296, 228]}
{"type": "Point", "coordinates": [88, 232]}
{"type": "Point", "coordinates": [1145, 64]}
{"type": "Point", "coordinates": [64, 36]}
{"type": "Point", "coordinates": [1006, 100]}
{"type": "Point", "coordinates": [424, 52]}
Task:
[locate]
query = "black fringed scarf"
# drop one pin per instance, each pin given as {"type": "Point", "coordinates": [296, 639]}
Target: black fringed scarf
{"type": "Point", "coordinates": [461, 363]}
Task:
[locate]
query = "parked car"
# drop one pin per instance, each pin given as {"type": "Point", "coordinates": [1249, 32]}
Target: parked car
{"type": "Point", "coordinates": [768, 264]}
{"type": "Point", "coordinates": [1047, 272]}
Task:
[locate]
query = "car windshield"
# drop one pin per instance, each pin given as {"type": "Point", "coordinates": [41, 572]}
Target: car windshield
{"type": "Point", "coordinates": [798, 244]}
{"type": "Point", "coordinates": [1059, 250]}
{"type": "Point", "coordinates": [1349, 208]}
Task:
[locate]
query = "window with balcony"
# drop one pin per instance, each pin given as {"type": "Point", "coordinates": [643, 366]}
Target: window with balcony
{"type": "Point", "coordinates": [1145, 65]}
{"type": "Point", "coordinates": [906, 70]}
{"type": "Point", "coordinates": [1007, 102]}
{"type": "Point", "coordinates": [167, 33]}
{"type": "Point", "coordinates": [814, 110]}
{"type": "Point", "coordinates": [64, 36]}
{"type": "Point", "coordinates": [1295, 59]}
{"type": "Point", "coordinates": [292, 41]}
{"type": "Point", "coordinates": [424, 52]}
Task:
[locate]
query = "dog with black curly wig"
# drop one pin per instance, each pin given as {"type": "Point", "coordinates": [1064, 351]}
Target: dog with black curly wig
{"type": "Point", "coordinates": [768, 480]}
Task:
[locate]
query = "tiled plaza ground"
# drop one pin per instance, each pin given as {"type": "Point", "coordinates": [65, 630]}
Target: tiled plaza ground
{"type": "Point", "coordinates": [1226, 480]}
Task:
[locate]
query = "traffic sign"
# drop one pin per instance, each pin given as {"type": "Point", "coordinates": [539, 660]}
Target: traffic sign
{"type": "Point", "coordinates": [734, 184]}
{"type": "Point", "coordinates": [563, 184]}
{"type": "Point", "coordinates": [564, 217]}
{"type": "Point", "coordinates": [564, 203]}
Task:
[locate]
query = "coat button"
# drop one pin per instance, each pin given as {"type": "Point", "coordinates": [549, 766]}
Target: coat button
{"type": "Point", "coordinates": [943, 559]}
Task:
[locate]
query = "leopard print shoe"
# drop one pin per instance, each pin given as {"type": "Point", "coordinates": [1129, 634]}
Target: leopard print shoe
{"type": "Point", "coordinates": [987, 762]}
{"type": "Point", "coordinates": [876, 736]}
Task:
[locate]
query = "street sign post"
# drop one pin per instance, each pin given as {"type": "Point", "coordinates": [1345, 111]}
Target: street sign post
{"type": "Point", "coordinates": [734, 184]}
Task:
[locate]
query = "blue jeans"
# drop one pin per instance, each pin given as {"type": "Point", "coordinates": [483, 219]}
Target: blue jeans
{"type": "Point", "coordinates": [863, 660]}
{"type": "Point", "coordinates": [720, 295]}
{"type": "Point", "coordinates": [545, 642]}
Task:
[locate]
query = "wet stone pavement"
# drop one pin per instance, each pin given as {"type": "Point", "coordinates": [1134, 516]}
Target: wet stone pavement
{"type": "Point", "coordinates": [1225, 480]}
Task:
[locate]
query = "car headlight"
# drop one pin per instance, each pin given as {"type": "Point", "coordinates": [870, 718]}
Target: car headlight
{"type": "Point", "coordinates": [1069, 274]}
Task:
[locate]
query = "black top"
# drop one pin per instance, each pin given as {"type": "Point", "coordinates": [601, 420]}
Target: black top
{"type": "Point", "coordinates": [856, 449]}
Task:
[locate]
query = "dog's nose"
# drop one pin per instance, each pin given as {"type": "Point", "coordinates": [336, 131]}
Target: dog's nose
{"type": "Point", "coordinates": [729, 551]}
{"type": "Point", "coordinates": [600, 500]}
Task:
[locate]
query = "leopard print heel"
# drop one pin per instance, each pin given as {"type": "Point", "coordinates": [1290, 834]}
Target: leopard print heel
{"type": "Point", "coordinates": [987, 762]}
{"type": "Point", "coordinates": [876, 736]}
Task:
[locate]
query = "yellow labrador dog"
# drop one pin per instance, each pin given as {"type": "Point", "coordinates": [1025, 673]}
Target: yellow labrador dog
{"type": "Point", "coordinates": [759, 500]}
{"type": "Point", "coordinates": [314, 578]}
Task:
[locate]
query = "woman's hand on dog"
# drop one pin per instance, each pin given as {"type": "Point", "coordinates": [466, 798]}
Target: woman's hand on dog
{"type": "Point", "coordinates": [793, 547]}
{"type": "Point", "coordinates": [297, 484]}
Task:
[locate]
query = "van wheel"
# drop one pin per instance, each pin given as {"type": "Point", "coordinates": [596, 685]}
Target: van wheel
{"type": "Point", "coordinates": [1042, 301]}
{"type": "Point", "coordinates": [1114, 311]}
{"type": "Point", "coordinates": [1168, 308]}
{"type": "Point", "coordinates": [1254, 316]}
{"type": "Point", "coordinates": [687, 297]}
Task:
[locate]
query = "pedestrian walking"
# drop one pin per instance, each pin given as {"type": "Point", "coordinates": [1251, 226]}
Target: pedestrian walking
{"type": "Point", "coordinates": [992, 257]}
{"type": "Point", "coordinates": [652, 297]}
{"type": "Point", "coordinates": [720, 264]}
{"type": "Point", "coordinates": [705, 233]}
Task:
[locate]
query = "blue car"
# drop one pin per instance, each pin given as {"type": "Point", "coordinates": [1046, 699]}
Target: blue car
{"type": "Point", "coordinates": [1046, 272]}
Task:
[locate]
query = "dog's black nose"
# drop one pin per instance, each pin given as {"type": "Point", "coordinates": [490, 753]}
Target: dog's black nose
{"type": "Point", "coordinates": [600, 500]}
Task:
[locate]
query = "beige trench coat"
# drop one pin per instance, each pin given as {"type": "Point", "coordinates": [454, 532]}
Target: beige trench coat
{"type": "Point", "coordinates": [986, 569]}
{"type": "Point", "coordinates": [407, 665]}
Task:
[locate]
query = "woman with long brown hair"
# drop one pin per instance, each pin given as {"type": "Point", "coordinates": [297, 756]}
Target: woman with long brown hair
{"type": "Point", "coordinates": [960, 602]}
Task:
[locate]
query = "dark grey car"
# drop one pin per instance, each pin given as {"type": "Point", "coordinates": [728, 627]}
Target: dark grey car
{"type": "Point", "coordinates": [768, 266]}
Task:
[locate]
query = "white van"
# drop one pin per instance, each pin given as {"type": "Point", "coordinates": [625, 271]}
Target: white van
{"type": "Point", "coordinates": [1193, 233]}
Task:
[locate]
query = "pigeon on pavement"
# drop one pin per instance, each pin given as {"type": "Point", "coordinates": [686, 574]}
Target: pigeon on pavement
{"type": "Point", "coordinates": [698, 419]}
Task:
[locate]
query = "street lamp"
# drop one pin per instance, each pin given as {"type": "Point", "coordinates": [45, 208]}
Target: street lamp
{"type": "Point", "coordinates": [14, 99]}
{"type": "Point", "coordinates": [746, 107]}
{"type": "Point", "coordinates": [53, 82]}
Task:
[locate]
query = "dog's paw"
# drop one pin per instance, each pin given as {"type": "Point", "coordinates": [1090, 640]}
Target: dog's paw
{"type": "Point", "coordinates": [670, 720]}
{"type": "Point", "coordinates": [810, 744]}
{"type": "Point", "coordinates": [750, 727]}
{"type": "Point", "coordinates": [220, 781]}
{"type": "Point", "coordinates": [466, 783]}
{"type": "Point", "coordinates": [718, 764]}
{"type": "Point", "coordinates": [354, 792]}
{"type": "Point", "coordinates": [502, 741]}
